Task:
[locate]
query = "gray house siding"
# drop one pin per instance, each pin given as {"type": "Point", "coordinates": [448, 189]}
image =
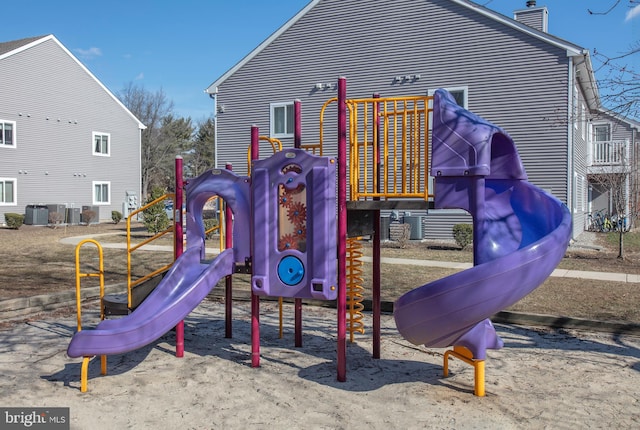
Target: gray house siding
{"type": "Point", "coordinates": [578, 127]}
{"type": "Point", "coordinates": [513, 79]}
{"type": "Point", "coordinates": [56, 105]}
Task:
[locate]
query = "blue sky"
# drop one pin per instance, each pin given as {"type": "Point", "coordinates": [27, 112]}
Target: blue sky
{"type": "Point", "coordinates": [182, 47]}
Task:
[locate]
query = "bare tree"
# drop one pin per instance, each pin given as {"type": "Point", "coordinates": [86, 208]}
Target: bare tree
{"type": "Point", "coordinates": [619, 86]}
{"type": "Point", "coordinates": [619, 83]}
{"type": "Point", "coordinates": [616, 179]}
{"type": "Point", "coordinates": [150, 109]}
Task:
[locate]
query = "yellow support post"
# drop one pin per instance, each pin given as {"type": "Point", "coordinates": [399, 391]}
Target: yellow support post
{"type": "Point", "coordinates": [465, 355]}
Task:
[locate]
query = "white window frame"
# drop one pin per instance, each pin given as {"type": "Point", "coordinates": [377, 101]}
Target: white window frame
{"type": "Point", "coordinates": [15, 191]}
{"type": "Point", "coordinates": [465, 94]}
{"type": "Point", "coordinates": [597, 125]}
{"type": "Point", "coordinates": [289, 121]}
{"type": "Point", "coordinates": [93, 144]}
{"type": "Point", "coordinates": [13, 134]}
{"type": "Point", "coordinates": [94, 184]}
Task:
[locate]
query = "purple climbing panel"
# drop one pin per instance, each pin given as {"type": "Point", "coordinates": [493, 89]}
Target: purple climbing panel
{"type": "Point", "coordinates": [294, 226]}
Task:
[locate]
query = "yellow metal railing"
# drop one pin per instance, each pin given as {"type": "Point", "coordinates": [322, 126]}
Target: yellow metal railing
{"type": "Point", "coordinates": [99, 274]}
{"type": "Point", "coordinates": [316, 148]}
{"type": "Point", "coordinates": [397, 127]}
{"type": "Point", "coordinates": [276, 146]}
{"type": "Point", "coordinates": [131, 248]}
{"type": "Point", "coordinates": [401, 128]}
{"type": "Point", "coordinates": [84, 368]}
{"type": "Point", "coordinates": [169, 230]}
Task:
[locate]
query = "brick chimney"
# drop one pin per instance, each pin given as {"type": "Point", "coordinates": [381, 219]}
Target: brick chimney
{"type": "Point", "coordinates": [533, 16]}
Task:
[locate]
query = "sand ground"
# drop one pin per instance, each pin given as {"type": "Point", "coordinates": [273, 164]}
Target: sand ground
{"type": "Point", "coordinates": [541, 379]}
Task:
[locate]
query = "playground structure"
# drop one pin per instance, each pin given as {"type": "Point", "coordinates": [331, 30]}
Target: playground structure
{"type": "Point", "coordinates": [290, 218]}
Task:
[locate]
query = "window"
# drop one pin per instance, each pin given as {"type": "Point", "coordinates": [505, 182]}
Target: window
{"type": "Point", "coordinates": [101, 143]}
{"type": "Point", "coordinates": [7, 191]}
{"type": "Point", "coordinates": [101, 193]}
{"type": "Point", "coordinates": [7, 134]}
{"type": "Point", "coordinates": [282, 119]}
{"type": "Point", "coordinates": [601, 133]}
{"type": "Point", "coordinates": [459, 95]}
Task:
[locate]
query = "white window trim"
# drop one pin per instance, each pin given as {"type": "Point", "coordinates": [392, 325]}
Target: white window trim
{"type": "Point", "coordinates": [93, 143]}
{"type": "Point", "coordinates": [15, 135]}
{"type": "Point", "coordinates": [93, 192]}
{"type": "Point", "coordinates": [464, 89]}
{"type": "Point", "coordinates": [601, 124]}
{"type": "Point", "coordinates": [272, 132]}
{"type": "Point", "coordinates": [15, 192]}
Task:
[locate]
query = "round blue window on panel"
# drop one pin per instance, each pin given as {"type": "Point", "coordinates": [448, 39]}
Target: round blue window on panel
{"type": "Point", "coordinates": [290, 270]}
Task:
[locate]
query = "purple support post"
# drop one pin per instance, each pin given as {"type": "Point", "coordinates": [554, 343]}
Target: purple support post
{"type": "Point", "coordinates": [342, 230]}
{"type": "Point", "coordinates": [376, 237]}
{"type": "Point", "coordinates": [255, 299]}
{"type": "Point", "coordinates": [478, 207]}
{"type": "Point", "coordinates": [297, 142]}
{"type": "Point", "coordinates": [228, 281]}
{"type": "Point", "coordinates": [297, 131]}
{"type": "Point", "coordinates": [178, 237]}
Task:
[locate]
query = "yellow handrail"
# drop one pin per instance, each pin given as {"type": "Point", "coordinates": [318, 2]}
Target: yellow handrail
{"type": "Point", "coordinates": [312, 147]}
{"type": "Point", "coordinates": [131, 249]}
{"type": "Point", "coordinates": [84, 368]}
{"type": "Point", "coordinates": [99, 274]}
{"type": "Point", "coordinates": [276, 145]}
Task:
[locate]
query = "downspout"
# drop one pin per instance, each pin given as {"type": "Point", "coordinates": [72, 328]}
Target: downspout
{"type": "Point", "coordinates": [214, 97]}
{"type": "Point", "coordinates": [571, 198]}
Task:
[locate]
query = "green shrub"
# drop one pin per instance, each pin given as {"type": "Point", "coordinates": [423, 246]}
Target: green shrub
{"type": "Point", "coordinates": [463, 234]}
{"type": "Point", "coordinates": [116, 217]}
{"type": "Point", "coordinates": [14, 221]}
{"type": "Point", "coordinates": [154, 217]}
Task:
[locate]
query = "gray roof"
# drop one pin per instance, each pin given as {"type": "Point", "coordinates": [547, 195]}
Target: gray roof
{"type": "Point", "coordinates": [10, 48]}
{"type": "Point", "coordinates": [12, 45]}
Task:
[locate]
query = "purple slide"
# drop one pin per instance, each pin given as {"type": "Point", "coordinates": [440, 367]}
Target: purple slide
{"type": "Point", "coordinates": [188, 281]}
{"type": "Point", "coordinates": [184, 286]}
{"type": "Point", "coordinates": [520, 234]}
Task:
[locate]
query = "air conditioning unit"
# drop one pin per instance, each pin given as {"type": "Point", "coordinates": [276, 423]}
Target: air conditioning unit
{"type": "Point", "coordinates": [93, 220]}
{"type": "Point", "coordinates": [36, 215]}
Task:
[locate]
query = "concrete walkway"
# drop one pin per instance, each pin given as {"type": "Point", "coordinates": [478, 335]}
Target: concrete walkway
{"type": "Point", "coordinates": [12, 309]}
{"type": "Point", "coordinates": [560, 273]}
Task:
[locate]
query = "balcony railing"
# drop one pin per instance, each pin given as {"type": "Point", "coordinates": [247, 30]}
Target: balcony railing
{"type": "Point", "coordinates": [610, 153]}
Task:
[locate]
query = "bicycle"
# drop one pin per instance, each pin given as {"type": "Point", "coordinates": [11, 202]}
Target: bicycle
{"type": "Point", "coordinates": [600, 223]}
{"type": "Point", "coordinates": [619, 223]}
